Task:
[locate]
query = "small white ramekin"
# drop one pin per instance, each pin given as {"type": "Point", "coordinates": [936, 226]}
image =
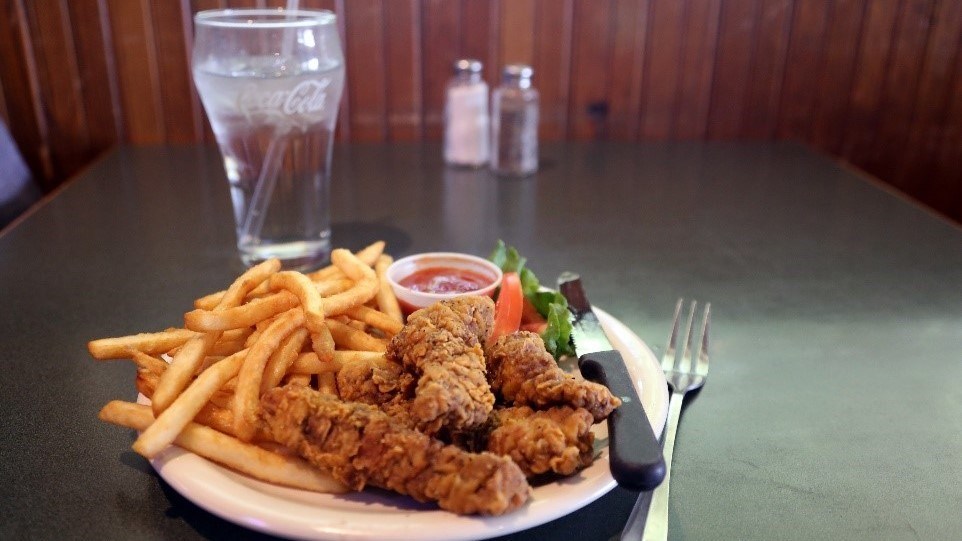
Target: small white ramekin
{"type": "Point", "coordinates": [411, 300]}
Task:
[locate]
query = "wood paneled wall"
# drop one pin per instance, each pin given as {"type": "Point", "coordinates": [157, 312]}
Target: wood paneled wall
{"type": "Point", "coordinates": [877, 83]}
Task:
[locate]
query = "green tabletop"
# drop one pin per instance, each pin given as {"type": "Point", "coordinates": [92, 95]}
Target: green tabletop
{"type": "Point", "coordinates": [834, 405]}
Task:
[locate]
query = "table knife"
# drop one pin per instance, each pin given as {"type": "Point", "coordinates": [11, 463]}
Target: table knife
{"type": "Point", "coordinates": [635, 455]}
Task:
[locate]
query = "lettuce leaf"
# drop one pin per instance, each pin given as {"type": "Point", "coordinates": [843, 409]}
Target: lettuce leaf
{"type": "Point", "coordinates": [550, 304]}
{"type": "Point", "coordinates": [557, 335]}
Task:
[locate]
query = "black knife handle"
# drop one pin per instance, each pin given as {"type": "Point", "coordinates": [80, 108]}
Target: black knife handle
{"type": "Point", "coordinates": [636, 459]}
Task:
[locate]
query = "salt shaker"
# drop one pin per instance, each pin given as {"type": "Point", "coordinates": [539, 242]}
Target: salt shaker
{"type": "Point", "coordinates": [514, 123]}
{"type": "Point", "coordinates": [467, 139]}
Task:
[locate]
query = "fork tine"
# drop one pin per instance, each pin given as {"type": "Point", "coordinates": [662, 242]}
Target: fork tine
{"type": "Point", "coordinates": [668, 358]}
{"type": "Point", "coordinates": [702, 366]}
{"type": "Point", "coordinates": [684, 363]}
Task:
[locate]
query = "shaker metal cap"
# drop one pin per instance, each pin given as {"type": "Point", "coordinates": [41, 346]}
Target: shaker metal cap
{"type": "Point", "coordinates": [467, 64]}
{"type": "Point", "coordinates": [518, 71]}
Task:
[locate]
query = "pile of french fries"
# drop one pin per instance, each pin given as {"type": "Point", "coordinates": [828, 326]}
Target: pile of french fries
{"type": "Point", "coordinates": [269, 328]}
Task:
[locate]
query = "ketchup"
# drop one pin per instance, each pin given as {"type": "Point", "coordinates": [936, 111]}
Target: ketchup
{"type": "Point", "coordinates": [445, 280]}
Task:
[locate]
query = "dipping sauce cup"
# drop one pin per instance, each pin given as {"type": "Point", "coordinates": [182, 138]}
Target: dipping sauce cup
{"type": "Point", "coordinates": [423, 279]}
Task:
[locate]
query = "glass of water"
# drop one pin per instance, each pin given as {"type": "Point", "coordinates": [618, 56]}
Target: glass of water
{"type": "Point", "coordinates": [271, 83]}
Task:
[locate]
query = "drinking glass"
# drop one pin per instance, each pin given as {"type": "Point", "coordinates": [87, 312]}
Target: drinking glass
{"type": "Point", "coordinates": [271, 83]}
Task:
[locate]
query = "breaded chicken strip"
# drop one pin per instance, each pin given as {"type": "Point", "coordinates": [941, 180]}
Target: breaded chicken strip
{"type": "Point", "coordinates": [373, 382]}
{"type": "Point", "coordinates": [441, 345]}
{"type": "Point", "coordinates": [525, 374]}
{"type": "Point", "coordinates": [555, 440]}
{"type": "Point", "coordinates": [362, 445]}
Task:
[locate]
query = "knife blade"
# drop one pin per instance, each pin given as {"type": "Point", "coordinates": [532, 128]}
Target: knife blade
{"type": "Point", "coordinates": [635, 455]}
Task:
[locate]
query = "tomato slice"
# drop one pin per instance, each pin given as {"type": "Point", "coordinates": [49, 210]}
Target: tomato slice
{"type": "Point", "coordinates": [508, 308]}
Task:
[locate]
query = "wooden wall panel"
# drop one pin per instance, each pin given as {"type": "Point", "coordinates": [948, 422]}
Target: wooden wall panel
{"type": "Point", "coordinates": [59, 84]}
{"type": "Point", "coordinates": [901, 86]}
{"type": "Point", "coordinates": [866, 96]}
{"type": "Point", "coordinates": [628, 42]}
{"type": "Point", "coordinates": [945, 172]}
{"type": "Point", "coordinates": [137, 71]}
{"type": "Point", "coordinates": [875, 83]}
{"type": "Point", "coordinates": [834, 81]}
{"type": "Point", "coordinates": [480, 35]}
{"type": "Point", "coordinates": [172, 31]}
{"type": "Point", "coordinates": [697, 73]}
{"type": "Point", "coordinates": [806, 57]}
{"type": "Point", "coordinates": [4, 116]}
{"type": "Point", "coordinates": [403, 69]}
{"type": "Point", "coordinates": [366, 69]}
{"type": "Point", "coordinates": [21, 87]}
{"type": "Point", "coordinates": [588, 102]}
{"type": "Point", "coordinates": [94, 48]}
{"type": "Point", "coordinates": [554, 24]}
{"type": "Point", "coordinates": [918, 161]}
{"type": "Point", "coordinates": [663, 64]}
{"type": "Point", "coordinates": [733, 68]}
{"type": "Point", "coordinates": [773, 20]}
{"type": "Point", "coordinates": [517, 33]}
{"type": "Point", "coordinates": [441, 45]}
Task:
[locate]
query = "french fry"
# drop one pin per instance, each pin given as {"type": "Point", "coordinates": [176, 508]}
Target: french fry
{"type": "Point", "coordinates": [226, 347]}
{"type": "Point", "coordinates": [210, 360]}
{"type": "Point", "coordinates": [329, 287]}
{"type": "Point", "coordinates": [348, 337]}
{"type": "Point", "coordinates": [253, 337]}
{"type": "Point", "coordinates": [368, 255]}
{"type": "Point", "coordinates": [305, 291]}
{"type": "Point", "coordinates": [376, 319]}
{"type": "Point", "coordinates": [308, 363]}
{"type": "Point", "coordinates": [299, 379]}
{"type": "Point", "coordinates": [185, 363]}
{"type": "Point", "coordinates": [327, 383]}
{"type": "Point", "coordinates": [223, 449]}
{"type": "Point", "coordinates": [168, 424]}
{"type": "Point", "coordinates": [257, 309]}
{"type": "Point", "coordinates": [146, 382]}
{"type": "Point", "coordinates": [247, 281]}
{"type": "Point", "coordinates": [191, 354]}
{"type": "Point", "coordinates": [386, 300]}
{"type": "Point", "coordinates": [241, 316]}
{"type": "Point", "coordinates": [237, 334]}
{"type": "Point", "coordinates": [216, 417]}
{"type": "Point", "coordinates": [152, 343]}
{"type": "Point", "coordinates": [323, 344]}
{"type": "Point", "coordinates": [231, 341]}
{"type": "Point", "coordinates": [363, 290]}
{"type": "Point", "coordinates": [281, 360]}
{"type": "Point", "coordinates": [247, 395]}
{"type": "Point", "coordinates": [356, 325]}
{"type": "Point", "coordinates": [222, 398]}
{"type": "Point", "coordinates": [348, 356]}
{"type": "Point", "coordinates": [148, 362]}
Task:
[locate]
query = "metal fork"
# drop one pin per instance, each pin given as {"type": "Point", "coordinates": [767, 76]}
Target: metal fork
{"type": "Point", "coordinates": [685, 373]}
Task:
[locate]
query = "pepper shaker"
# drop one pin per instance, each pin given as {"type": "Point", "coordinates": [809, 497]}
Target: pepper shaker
{"type": "Point", "coordinates": [514, 123]}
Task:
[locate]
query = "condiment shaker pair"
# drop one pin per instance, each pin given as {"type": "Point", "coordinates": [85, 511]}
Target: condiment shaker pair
{"type": "Point", "coordinates": [509, 140]}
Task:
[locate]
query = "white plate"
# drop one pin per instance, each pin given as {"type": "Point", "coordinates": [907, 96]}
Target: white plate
{"type": "Point", "coordinates": [375, 514]}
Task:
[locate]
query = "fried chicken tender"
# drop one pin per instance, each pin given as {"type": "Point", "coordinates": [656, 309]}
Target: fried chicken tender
{"type": "Point", "coordinates": [373, 382]}
{"type": "Point", "coordinates": [442, 345]}
{"type": "Point", "coordinates": [524, 373]}
{"type": "Point", "coordinates": [555, 440]}
{"type": "Point", "coordinates": [361, 445]}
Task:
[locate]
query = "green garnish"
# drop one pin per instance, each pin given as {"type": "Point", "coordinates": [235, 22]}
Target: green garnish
{"type": "Point", "coordinates": [550, 304]}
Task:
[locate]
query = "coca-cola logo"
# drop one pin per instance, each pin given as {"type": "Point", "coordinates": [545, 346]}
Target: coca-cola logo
{"type": "Point", "coordinates": [306, 100]}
